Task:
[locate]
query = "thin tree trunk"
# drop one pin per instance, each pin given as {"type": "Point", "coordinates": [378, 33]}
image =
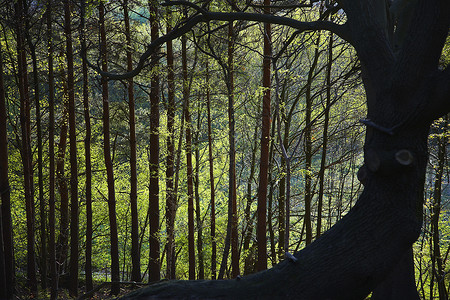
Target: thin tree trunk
{"type": "Point", "coordinates": [265, 140]}
{"type": "Point", "coordinates": [135, 253]}
{"type": "Point", "coordinates": [325, 139]}
{"type": "Point", "coordinates": [211, 178]}
{"type": "Point", "coordinates": [154, 261]}
{"type": "Point", "coordinates": [115, 273]}
{"type": "Point", "coordinates": [7, 283]}
{"type": "Point", "coordinates": [190, 187]}
{"type": "Point", "coordinates": [51, 143]}
{"type": "Point", "coordinates": [87, 152]}
{"type": "Point", "coordinates": [201, 264]}
{"type": "Point", "coordinates": [231, 237]}
{"type": "Point", "coordinates": [308, 145]}
{"type": "Point", "coordinates": [74, 255]}
{"type": "Point", "coordinates": [42, 206]}
{"type": "Point", "coordinates": [437, 264]}
{"type": "Point", "coordinates": [170, 192]}
{"type": "Point", "coordinates": [62, 246]}
{"type": "Point", "coordinates": [26, 150]}
{"type": "Point", "coordinates": [249, 263]}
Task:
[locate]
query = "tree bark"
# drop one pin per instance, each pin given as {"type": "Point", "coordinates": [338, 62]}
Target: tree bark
{"type": "Point", "coordinates": [154, 261]}
{"type": "Point", "coordinates": [170, 192]}
{"type": "Point", "coordinates": [74, 255]}
{"type": "Point", "coordinates": [190, 183]}
{"type": "Point", "coordinates": [87, 151]}
{"type": "Point", "coordinates": [135, 252]}
{"type": "Point", "coordinates": [7, 283]}
{"type": "Point", "coordinates": [26, 146]}
{"type": "Point", "coordinates": [324, 138]}
{"type": "Point", "coordinates": [115, 274]}
{"type": "Point", "coordinates": [51, 143]}
{"type": "Point", "coordinates": [211, 178]}
{"type": "Point", "coordinates": [265, 141]}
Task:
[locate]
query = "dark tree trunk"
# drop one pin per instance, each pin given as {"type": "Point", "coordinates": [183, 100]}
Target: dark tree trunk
{"type": "Point", "coordinates": [87, 152]}
{"type": "Point", "coordinates": [6, 233]}
{"type": "Point", "coordinates": [74, 255]}
{"type": "Point", "coordinates": [261, 227]}
{"type": "Point", "coordinates": [154, 259]}
{"type": "Point", "coordinates": [115, 273]}
{"type": "Point", "coordinates": [42, 206]}
{"type": "Point", "coordinates": [51, 147]}
{"type": "Point", "coordinates": [211, 178]}
{"type": "Point", "coordinates": [324, 138]}
{"type": "Point", "coordinates": [308, 144]}
{"type": "Point", "coordinates": [436, 258]}
{"type": "Point", "coordinates": [135, 252]}
{"type": "Point", "coordinates": [405, 92]}
{"type": "Point", "coordinates": [62, 246]}
{"type": "Point", "coordinates": [26, 148]}
{"type": "Point", "coordinates": [198, 218]}
{"type": "Point", "coordinates": [190, 175]}
{"type": "Point", "coordinates": [231, 239]}
{"type": "Point", "coordinates": [170, 192]}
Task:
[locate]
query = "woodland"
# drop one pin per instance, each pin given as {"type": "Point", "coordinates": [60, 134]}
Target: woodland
{"type": "Point", "coordinates": [238, 149]}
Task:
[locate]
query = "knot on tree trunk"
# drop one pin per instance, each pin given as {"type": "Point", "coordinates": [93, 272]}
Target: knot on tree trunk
{"type": "Point", "coordinates": [386, 162]}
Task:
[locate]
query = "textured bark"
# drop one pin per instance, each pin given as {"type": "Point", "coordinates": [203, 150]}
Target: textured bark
{"type": "Point", "coordinates": [324, 138]}
{"type": "Point", "coordinates": [135, 252]}
{"type": "Point", "coordinates": [369, 249]}
{"type": "Point", "coordinates": [231, 238]}
{"type": "Point", "coordinates": [154, 259]}
{"type": "Point", "coordinates": [115, 275]}
{"type": "Point", "coordinates": [170, 192]}
{"type": "Point", "coordinates": [308, 144]}
{"type": "Point", "coordinates": [6, 233]}
{"type": "Point", "coordinates": [87, 152]}
{"type": "Point", "coordinates": [265, 140]}
{"type": "Point", "coordinates": [198, 218]}
{"type": "Point", "coordinates": [211, 178]}
{"type": "Point", "coordinates": [26, 146]}
{"type": "Point", "coordinates": [189, 171]}
{"type": "Point", "coordinates": [74, 255]}
{"type": "Point", "coordinates": [51, 143]}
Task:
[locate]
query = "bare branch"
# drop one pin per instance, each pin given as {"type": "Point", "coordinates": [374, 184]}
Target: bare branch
{"type": "Point", "coordinates": [206, 16]}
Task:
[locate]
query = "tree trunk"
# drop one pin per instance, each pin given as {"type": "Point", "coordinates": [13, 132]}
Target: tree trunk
{"type": "Point", "coordinates": [211, 178]}
{"type": "Point", "coordinates": [26, 149]}
{"type": "Point", "coordinates": [135, 252]}
{"type": "Point", "coordinates": [170, 192]}
{"type": "Point", "coordinates": [42, 206]}
{"type": "Point", "coordinates": [6, 233]}
{"type": "Point", "coordinates": [115, 273]}
{"type": "Point", "coordinates": [190, 184]}
{"type": "Point", "coordinates": [308, 144]}
{"type": "Point", "coordinates": [87, 151]}
{"type": "Point", "coordinates": [324, 138]}
{"type": "Point", "coordinates": [154, 261]}
{"type": "Point", "coordinates": [231, 236]}
{"type": "Point", "coordinates": [265, 141]}
{"type": "Point", "coordinates": [198, 218]}
{"type": "Point", "coordinates": [436, 258]}
{"type": "Point", "coordinates": [74, 255]}
{"type": "Point", "coordinates": [51, 147]}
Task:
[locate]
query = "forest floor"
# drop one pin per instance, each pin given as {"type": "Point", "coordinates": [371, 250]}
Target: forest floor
{"type": "Point", "coordinates": [102, 290]}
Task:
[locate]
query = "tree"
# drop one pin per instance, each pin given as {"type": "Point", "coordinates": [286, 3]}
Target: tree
{"type": "Point", "coordinates": [51, 142]}
{"type": "Point", "coordinates": [265, 141]}
{"type": "Point", "coordinates": [135, 253]}
{"type": "Point", "coordinates": [6, 233]}
{"type": "Point", "coordinates": [26, 144]}
{"type": "Point", "coordinates": [115, 275]}
{"type": "Point", "coordinates": [369, 249]}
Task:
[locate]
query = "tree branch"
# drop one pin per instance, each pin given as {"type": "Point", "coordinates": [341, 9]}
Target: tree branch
{"type": "Point", "coordinates": [206, 16]}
